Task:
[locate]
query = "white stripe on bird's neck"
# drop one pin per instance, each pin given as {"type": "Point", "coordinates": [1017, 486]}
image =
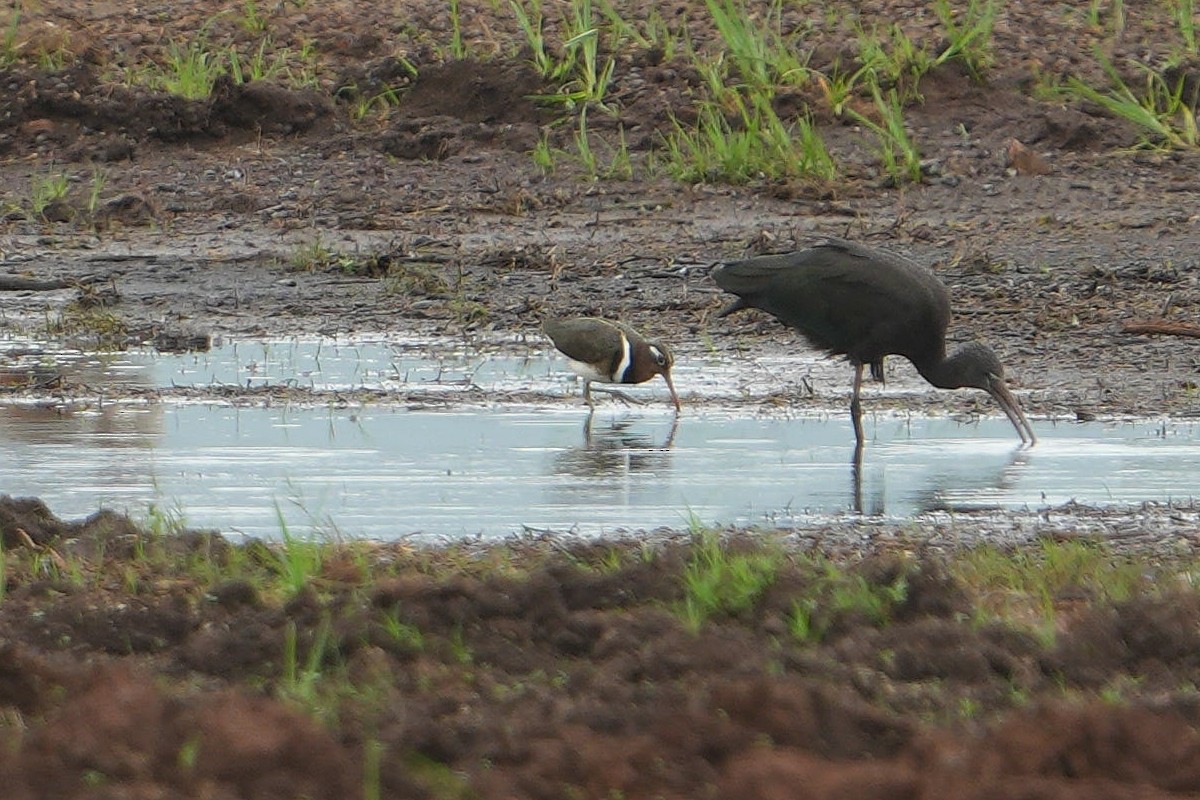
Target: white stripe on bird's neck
{"type": "Point", "coordinates": [626, 362]}
{"type": "Point", "coordinates": [618, 375]}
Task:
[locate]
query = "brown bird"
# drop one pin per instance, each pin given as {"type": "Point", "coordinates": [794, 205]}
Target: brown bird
{"type": "Point", "coordinates": [610, 352]}
{"type": "Point", "coordinates": [851, 300]}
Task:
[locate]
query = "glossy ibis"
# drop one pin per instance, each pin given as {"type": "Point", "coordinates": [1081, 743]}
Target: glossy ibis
{"type": "Point", "coordinates": [851, 300]}
{"type": "Point", "coordinates": [610, 352]}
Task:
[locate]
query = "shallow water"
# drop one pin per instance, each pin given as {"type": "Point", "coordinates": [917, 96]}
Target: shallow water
{"type": "Point", "coordinates": [500, 468]}
{"type": "Point", "coordinates": [320, 365]}
{"type": "Point", "coordinates": [444, 366]}
{"type": "Point", "coordinates": [386, 472]}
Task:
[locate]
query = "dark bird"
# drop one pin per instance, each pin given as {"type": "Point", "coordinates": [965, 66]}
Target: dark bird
{"type": "Point", "coordinates": [865, 304]}
{"type": "Point", "coordinates": [610, 352]}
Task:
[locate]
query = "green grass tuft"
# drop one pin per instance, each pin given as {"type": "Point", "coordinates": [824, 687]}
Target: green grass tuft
{"type": "Point", "coordinates": [758, 145]}
{"type": "Point", "coordinates": [762, 56]}
{"type": "Point", "coordinates": [899, 158]}
{"type": "Point", "coordinates": [835, 593]}
{"type": "Point", "coordinates": [192, 69]}
{"type": "Point", "coordinates": [1027, 585]}
{"type": "Point", "coordinates": [299, 560]}
{"type": "Point", "coordinates": [719, 582]}
{"type": "Point", "coordinates": [8, 41]}
{"type": "Point", "coordinates": [1161, 110]}
{"type": "Point", "coordinates": [969, 34]}
{"type": "Point", "coordinates": [1184, 14]}
{"type": "Point", "coordinates": [47, 189]}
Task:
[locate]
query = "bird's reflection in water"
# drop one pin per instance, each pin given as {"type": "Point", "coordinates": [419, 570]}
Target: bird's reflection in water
{"type": "Point", "coordinates": [947, 492]}
{"type": "Point", "coordinates": [969, 493]}
{"type": "Point", "coordinates": [956, 493]}
{"type": "Point", "coordinates": [874, 505]}
{"type": "Point", "coordinates": [616, 448]}
{"type": "Point", "coordinates": [856, 482]}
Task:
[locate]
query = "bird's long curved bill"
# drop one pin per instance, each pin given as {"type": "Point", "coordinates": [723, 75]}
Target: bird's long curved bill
{"type": "Point", "coordinates": [1013, 411]}
{"type": "Point", "coordinates": [674, 395]}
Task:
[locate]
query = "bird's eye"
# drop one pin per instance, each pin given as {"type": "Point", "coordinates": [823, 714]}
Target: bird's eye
{"type": "Point", "coordinates": [660, 357]}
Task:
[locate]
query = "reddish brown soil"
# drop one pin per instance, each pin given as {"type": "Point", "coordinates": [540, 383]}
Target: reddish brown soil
{"type": "Point", "coordinates": [568, 679]}
{"type": "Point", "coordinates": [559, 671]}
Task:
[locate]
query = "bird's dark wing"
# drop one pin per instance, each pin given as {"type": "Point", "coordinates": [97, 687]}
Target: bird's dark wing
{"type": "Point", "coordinates": [846, 298]}
{"type": "Point", "coordinates": [587, 339]}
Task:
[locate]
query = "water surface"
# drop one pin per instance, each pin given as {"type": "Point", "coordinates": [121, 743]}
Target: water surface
{"type": "Point", "coordinates": [389, 472]}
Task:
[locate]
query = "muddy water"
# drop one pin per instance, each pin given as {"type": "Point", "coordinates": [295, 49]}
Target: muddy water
{"type": "Point", "coordinates": [490, 471]}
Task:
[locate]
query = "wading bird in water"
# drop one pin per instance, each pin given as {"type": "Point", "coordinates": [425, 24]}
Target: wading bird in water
{"type": "Point", "coordinates": [610, 352]}
{"type": "Point", "coordinates": [851, 300]}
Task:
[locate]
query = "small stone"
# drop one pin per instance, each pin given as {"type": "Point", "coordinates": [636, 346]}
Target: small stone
{"type": "Point", "coordinates": [1025, 161]}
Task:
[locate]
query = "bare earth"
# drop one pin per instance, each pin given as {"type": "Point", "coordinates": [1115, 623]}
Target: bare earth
{"type": "Point", "coordinates": [271, 210]}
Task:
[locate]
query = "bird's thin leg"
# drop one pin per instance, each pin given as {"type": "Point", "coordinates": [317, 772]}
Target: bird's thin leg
{"type": "Point", "coordinates": [856, 406]}
{"type": "Point", "coordinates": [624, 398]}
{"type": "Point", "coordinates": [587, 394]}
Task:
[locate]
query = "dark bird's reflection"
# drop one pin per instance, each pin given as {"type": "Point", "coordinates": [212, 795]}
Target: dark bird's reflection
{"type": "Point", "coordinates": [614, 449]}
{"type": "Point", "coordinates": [966, 493]}
{"type": "Point", "coordinates": [856, 481]}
